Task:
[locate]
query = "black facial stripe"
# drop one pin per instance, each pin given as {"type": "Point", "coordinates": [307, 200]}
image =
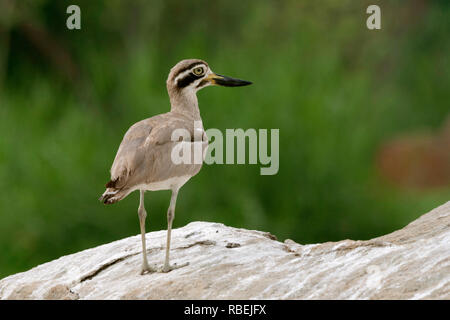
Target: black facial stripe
{"type": "Point", "coordinates": [187, 80]}
{"type": "Point", "coordinates": [189, 67]}
{"type": "Point", "coordinates": [202, 83]}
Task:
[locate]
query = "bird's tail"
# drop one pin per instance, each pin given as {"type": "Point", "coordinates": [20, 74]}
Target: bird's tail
{"type": "Point", "coordinates": [112, 194]}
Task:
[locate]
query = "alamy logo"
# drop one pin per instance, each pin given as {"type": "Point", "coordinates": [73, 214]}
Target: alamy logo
{"type": "Point", "coordinates": [208, 147]}
{"type": "Point", "coordinates": [74, 20]}
{"type": "Point", "coordinates": [374, 20]}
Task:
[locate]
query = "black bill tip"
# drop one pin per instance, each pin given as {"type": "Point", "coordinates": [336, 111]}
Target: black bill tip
{"type": "Point", "coordinates": [230, 82]}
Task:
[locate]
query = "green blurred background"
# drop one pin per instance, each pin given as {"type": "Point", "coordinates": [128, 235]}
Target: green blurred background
{"type": "Point", "coordinates": [338, 92]}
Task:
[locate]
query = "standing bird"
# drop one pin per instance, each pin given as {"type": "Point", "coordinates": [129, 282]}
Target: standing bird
{"type": "Point", "coordinates": [144, 159]}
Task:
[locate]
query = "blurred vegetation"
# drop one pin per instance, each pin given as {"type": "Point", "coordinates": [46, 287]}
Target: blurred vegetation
{"type": "Point", "coordinates": [336, 90]}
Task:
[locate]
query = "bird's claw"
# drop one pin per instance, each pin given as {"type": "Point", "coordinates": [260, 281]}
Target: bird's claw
{"type": "Point", "coordinates": [148, 269]}
{"type": "Point", "coordinates": [168, 268]}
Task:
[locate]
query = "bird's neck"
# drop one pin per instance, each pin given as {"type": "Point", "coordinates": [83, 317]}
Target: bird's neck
{"type": "Point", "coordinates": [185, 103]}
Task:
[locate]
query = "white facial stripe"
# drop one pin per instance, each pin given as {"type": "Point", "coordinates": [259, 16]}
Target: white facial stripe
{"type": "Point", "coordinates": [194, 85]}
{"type": "Point", "coordinates": [186, 72]}
{"type": "Point", "coordinates": [182, 75]}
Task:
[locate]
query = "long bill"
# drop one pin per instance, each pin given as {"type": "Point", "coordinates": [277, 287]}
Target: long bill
{"type": "Point", "coordinates": [227, 81]}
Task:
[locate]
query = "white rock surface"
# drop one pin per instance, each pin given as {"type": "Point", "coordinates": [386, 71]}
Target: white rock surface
{"type": "Point", "coordinates": [230, 263]}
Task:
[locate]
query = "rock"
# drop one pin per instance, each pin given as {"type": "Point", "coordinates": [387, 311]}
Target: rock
{"type": "Point", "coordinates": [231, 263]}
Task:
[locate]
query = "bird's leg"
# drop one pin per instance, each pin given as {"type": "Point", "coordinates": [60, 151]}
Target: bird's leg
{"type": "Point", "coordinates": [170, 216]}
{"type": "Point", "coordinates": [142, 215]}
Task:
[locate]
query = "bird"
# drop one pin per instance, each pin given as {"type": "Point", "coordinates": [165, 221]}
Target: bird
{"type": "Point", "coordinates": [143, 161]}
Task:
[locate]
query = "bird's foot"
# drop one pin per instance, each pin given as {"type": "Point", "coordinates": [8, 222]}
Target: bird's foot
{"type": "Point", "coordinates": [147, 269]}
{"type": "Point", "coordinates": [170, 267]}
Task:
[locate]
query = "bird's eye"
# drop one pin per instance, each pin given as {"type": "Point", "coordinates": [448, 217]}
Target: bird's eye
{"type": "Point", "coordinates": [198, 71]}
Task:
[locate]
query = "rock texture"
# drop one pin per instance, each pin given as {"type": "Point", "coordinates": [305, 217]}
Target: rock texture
{"type": "Point", "coordinates": [230, 263]}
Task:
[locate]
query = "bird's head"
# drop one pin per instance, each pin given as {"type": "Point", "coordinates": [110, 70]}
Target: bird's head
{"type": "Point", "coordinates": [191, 75]}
